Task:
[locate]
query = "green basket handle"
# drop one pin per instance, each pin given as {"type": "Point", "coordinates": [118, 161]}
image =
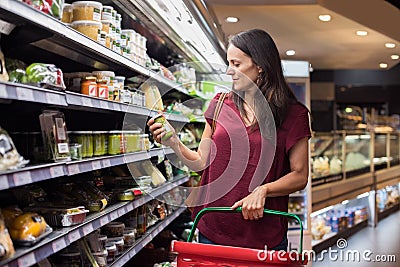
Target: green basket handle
{"type": "Point", "coordinates": [229, 210]}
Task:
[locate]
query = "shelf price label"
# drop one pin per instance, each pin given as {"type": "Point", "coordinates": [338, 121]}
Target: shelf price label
{"type": "Point", "coordinates": [96, 165]}
{"type": "Point", "coordinates": [87, 102]}
{"type": "Point", "coordinates": [4, 182]}
{"type": "Point", "coordinates": [104, 105]}
{"type": "Point", "coordinates": [73, 169]}
{"type": "Point", "coordinates": [73, 236]}
{"type": "Point", "coordinates": [106, 163]}
{"type": "Point", "coordinates": [25, 94]}
{"type": "Point", "coordinates": [104, 220]}
{"type": "Point", "coordinates": [56, 171]}
{"type": "Point", "coordinates": [116, 107]}
{"type": "Point", "coordinates": [27, 260]}
{"type": "Point", "coordinates": [53, 98]}
{"type": "Point", "coordinates": [114, 215]}
{"type": "Point", "coordinates": [21, 178]}
{"type": "Point", "coordinates": [121, 212]}
{"type": "Point", "coordinates": [58, 245]}
{"type": "Point", "coordinates": [87, 229]}
{"type": "Point", "coordinates": [3, 91]}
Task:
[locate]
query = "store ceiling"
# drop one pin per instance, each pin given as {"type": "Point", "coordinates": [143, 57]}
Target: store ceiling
{"type": "Point", "coordinates": [294, 24]}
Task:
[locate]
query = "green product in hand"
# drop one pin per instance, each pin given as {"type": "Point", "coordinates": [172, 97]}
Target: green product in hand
{"type": "Point", "coordinates": [168, 131]}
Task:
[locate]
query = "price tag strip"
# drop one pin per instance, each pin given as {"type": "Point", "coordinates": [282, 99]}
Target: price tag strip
{"type": "Point", "coordinates": [56, 171]}
{"type": "Point", "coordinates": [3, 91]}
{"type": "Point", "coordinates": [58, 245]}
{"type": "Point", "coordinates": [4, 182]}
{"type": "Point", "coordinates": [25, 94]}
{"type": "Point", "coordinates": [73, 236]}
{"type": "Point", "coordinates": [53, 98]}
{"type": "Point", "coordinates": [22, 178]}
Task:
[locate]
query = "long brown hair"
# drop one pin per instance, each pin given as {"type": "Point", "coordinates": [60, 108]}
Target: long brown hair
{"type": "Point", "coordinates": [261, 48]}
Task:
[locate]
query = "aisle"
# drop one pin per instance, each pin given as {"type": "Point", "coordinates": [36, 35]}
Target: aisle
{"type": "Point", "coordinates": [380, 241]}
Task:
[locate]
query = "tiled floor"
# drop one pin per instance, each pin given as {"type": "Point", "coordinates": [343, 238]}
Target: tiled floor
{"type": "Point", "coordinates": [367, 245]}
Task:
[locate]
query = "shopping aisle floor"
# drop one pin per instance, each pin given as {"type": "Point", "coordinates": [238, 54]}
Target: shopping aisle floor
{"type": "Point", "coordinates": [381, 241]}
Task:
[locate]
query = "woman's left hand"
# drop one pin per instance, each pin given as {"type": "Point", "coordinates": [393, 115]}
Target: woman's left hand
{"type": "Point", "coordinates": [253, 204]}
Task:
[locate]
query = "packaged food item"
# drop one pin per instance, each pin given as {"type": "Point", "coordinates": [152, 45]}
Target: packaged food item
{"type": "Point", "coordinates": [132, 141]}
{"type": "Point", "coordinates": [99, 143]}
{"type": "Point", "coordinates": [75, 151]}
{"type": "Point", "coordinates": [107, 13]}
{"type": "Point", "coordinates": [102, 88]}
{"type": "Point", "coordinates": [45, 75]}
{"type": "Point", "coordinates": [51, 7]}
{"type": "Point", "coordinates": [113, 229]}
{"type": "Point", "coordinates": [87, 27]}
{"type": "Point", "coordinates": [6, 245]}
{"type": "Point", "coordinates": [104, 75]}
{"type": "Point", "coordinates": [101, 258]}
{"type": "Point", "coordinates": [89, 86]}
{"type": "Point", "coordinates": [152, 96]}
{"type": "Point", "coordinates": [9, 156]}
{"type": "Point", "coordinates": [144, 142]}
{"type": "Point", "coordinates": [102, 38]}
{"type": "Point", "coordinates": [87, 10]}
{"type": "Point", "coordinates": [106, 26]}
{"type": "Point", "coordinates": [116, 143]}
{"type": "Point", "coordinates": [64, 217]}
{"type": "Point", "coordinates": [129, 237]}
{"type": "Point", "coordinates": [68, 259]}
{"type": "Point", "coordinates": [55, 136]}
{"type": "Point", "coordinates": [111, 252]}
{"type": "Point", "coordinates": [3, 72]}
{"type": "Point", "coordinates": [108, 41]}
{"type": "Point", "coordinates": [73, 80]}
{"type": "Point", "coordinates": [67, 13]}
{"type": "Point", "coordinates": [129, 33]}
{"type": "Point", "coordinates": [168, 130]}
{"type": "Point", "coordinates": [27, 227]}
{"type": "Point", "coordinates": [118, 242]}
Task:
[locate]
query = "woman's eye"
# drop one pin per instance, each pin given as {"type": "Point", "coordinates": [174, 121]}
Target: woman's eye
{"type": "Point", "coordinates": [236, 65]}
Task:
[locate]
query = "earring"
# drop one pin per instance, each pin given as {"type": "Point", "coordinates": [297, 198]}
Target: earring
{"type": "Point", "coordinates": [259, 79]}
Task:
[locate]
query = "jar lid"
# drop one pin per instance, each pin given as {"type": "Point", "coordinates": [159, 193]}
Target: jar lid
{"type": "Point", "coordinates": [88, 3]}
{"type": "Point", "coordinates": [104, 73]}
{"type": "Point", "coordinates": [102, 237]}
{"type": "Point", "coordinates": [100, 253]}
{"type": "Point", "coordinates": [86, 23]}
{"type": "Point", "coordinates": [111, 247]}
{"type": "Point", "coordinates": [89, 78]}
{"type": "Point", "coordinates": [108, 7]}
{"type": "Point", "coordinates": [116, 240]}
{"type": "Point", "coordinates": [128, 31]}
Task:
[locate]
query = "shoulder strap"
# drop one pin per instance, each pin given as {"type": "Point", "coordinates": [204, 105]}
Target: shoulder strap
{"type": "Point", "coordinates": [217, 111]}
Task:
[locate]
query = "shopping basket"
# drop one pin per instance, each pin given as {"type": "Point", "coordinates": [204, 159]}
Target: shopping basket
{"type": "Point", "coordinates": [198, 255]}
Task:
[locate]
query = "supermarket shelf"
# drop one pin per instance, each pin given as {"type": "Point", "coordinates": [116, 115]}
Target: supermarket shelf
{"type": "Point", "coordinates": [32, 174]}
{"type": "Point", "coordinates": [331, 239]}
{"type": "Point", "coordinates": [144, 240]}
{"type": "Point", "coordinates": [62, 238]}
{"type": "Point", "coordinates": [297, 195]}
{"type": "Point", "coordinates": [23, 92]}
{"type": "Point", "coordinates": [67, 41]}
{"type": "Point", "coordinates": [389, 210]}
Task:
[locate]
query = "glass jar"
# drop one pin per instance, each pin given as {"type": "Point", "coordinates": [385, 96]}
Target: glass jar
{"type": "Point", "coordinates": [79, 137]}
{"type": "Point", "coordinates": [168, 130]}
{"type": "Point", "coordinates": [98, 145]}
{"type": "Point", "coordinates": [89, 86]}
{"type": "Point", "coordinates": [89, 144]}
{"type": "Point", "coordinates": [75, 151]}
{"type": "Point", "coordinates": [116, 144]}
{"type": "Point", "coordinates": [132, 141]}
{"type": "Point", "coordinates": [144, 142]}
{"type": "Point", "coordinates": [102, 88]}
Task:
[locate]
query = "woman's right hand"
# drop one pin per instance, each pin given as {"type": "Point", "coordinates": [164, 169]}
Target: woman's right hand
{"type": "Point", "coordinates": [158, 131]}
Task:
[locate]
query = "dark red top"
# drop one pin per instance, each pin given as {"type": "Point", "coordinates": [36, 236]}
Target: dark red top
{"type": "Point", "coordinates": [228, 178]}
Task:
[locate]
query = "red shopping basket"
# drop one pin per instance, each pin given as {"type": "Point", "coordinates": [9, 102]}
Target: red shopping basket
{"type": "Point", "coordinates": [199, 255]}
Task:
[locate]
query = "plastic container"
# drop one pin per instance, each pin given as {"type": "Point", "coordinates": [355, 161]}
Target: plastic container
{"type": "Point", "coordinates": [102, 241]}
{"type": "Point", "coordinates": [106, 26]}
{"type": "Point", "coordinates": [145, 142]}
{"type": "Point", "coordinates": [115, 143]}
{"type": "Point", "coordinates": [67, 13]}
{"type": "Point", "coordinates": [120, 81]}
{"type": "Point", "coordinates": [87, 10]}
{"type": "Point", "coordinates": [102, 38]}
{"type": "Point", "coordinates": [104, 75]}
{"type": "Point", "coordinates": [118, 242]}
{"type": "Point", "coordinates": [98, 144]}
{"type": "Point", "coordinates": [129, 237]}
{"type": "Point", "coordinates": [76, 151]}
{"type": "Point", "coordinates": [106, 14]}
{"type": "Point", "coordinates": [113, 229]}
{"type": "Point", "coordinates": [111, 252]}
{"type": "Point", "coordinates": [88, 28]}
{"type": "Point", "coordinates": [69, 259]}
{"type": "Point", "coordinates": [101, 258]}
{"type": "Point", "coordinates": [129, 33]}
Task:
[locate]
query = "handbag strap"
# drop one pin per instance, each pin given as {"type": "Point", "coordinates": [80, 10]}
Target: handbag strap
{"type": "Point", "coordinates": [217, 111]}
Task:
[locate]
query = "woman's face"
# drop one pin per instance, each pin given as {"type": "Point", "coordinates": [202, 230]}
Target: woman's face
{"type": "Point", "coordinates": [242, 69]}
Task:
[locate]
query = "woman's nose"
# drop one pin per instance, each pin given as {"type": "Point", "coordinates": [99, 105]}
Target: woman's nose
{"type": "Point", "coordinates": [229, 71]}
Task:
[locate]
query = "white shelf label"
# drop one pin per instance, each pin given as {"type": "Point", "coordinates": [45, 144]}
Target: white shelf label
{"type": "Point", "coordinates": [3, 91]}
{"type": "Point", "coordinates": [87, 229]}
{"type": "Point", "coordinates": [104, 105]}
{"type": "Point", "coordinates": [73, 236]}
{"type": "Point", "coordinates": [106, 163]}
{"type": "Point", "coordinates": [132, 252]}
{"type": "Point", "coordinates": [114, 215]}
{"type": "Point", "coordinates": [27, 260]}
{"type": "Point", "coordinates": [21, 178]}
{"type": "Point", "coordinates": [4, 182]}
{"type": "Point", "coordinates": [104, 220]}
{"type": "Point", "coordinates": [56, 171]}
{"type": "Point", "coordinates": [58, 245]}
{"type": "Point", "coordinates": [53, 98]}
{"type": "Point", "coordinates": [96, 165]}
{"type": "Point", "coordinates": [116, 107]}
{"type": "Point", "coordinates": [87, 102]}
{"type": "Point", "coordinates": [24, 94]}
{"type": "Point", "coordinates": [73, 169]}
{"type": "Point", "coordinates": [121, 212]}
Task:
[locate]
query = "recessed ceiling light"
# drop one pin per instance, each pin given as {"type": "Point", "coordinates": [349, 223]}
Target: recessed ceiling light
{"type": "Point", "coordinates": [362, 33]}
{"type": "Point", "coordinates": [290, 52]}
{"type": "Point", "coordinates": [394, 57]}
{"type": "Point", "coordinates": [232, 19]}
{"type": "Point", "coordinates": [383, 65]}
{"type": "Point", "coordinates": [390, 45]}
{"type": "Point", "coordinates": [325, 18]}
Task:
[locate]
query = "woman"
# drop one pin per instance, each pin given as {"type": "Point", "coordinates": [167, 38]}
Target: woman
{"type": "Point", "coordinates": [275, 162]}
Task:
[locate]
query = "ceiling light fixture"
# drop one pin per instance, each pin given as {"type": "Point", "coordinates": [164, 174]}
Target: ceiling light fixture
{"type": "Point", "coordinates": [383, 65]}
{"type": "Point", "coordinates": [231, 19]}
{"type": "Point", "coordinates": [325, 18]}
{"type": "Point", "coordinates": [394, 57]}
{"type": "Point", "coordinates": [390, 45]}
{"type": "Point", "coordinates": [290, 52]}
{"type": "Point", "coordinates": [362, 33]}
